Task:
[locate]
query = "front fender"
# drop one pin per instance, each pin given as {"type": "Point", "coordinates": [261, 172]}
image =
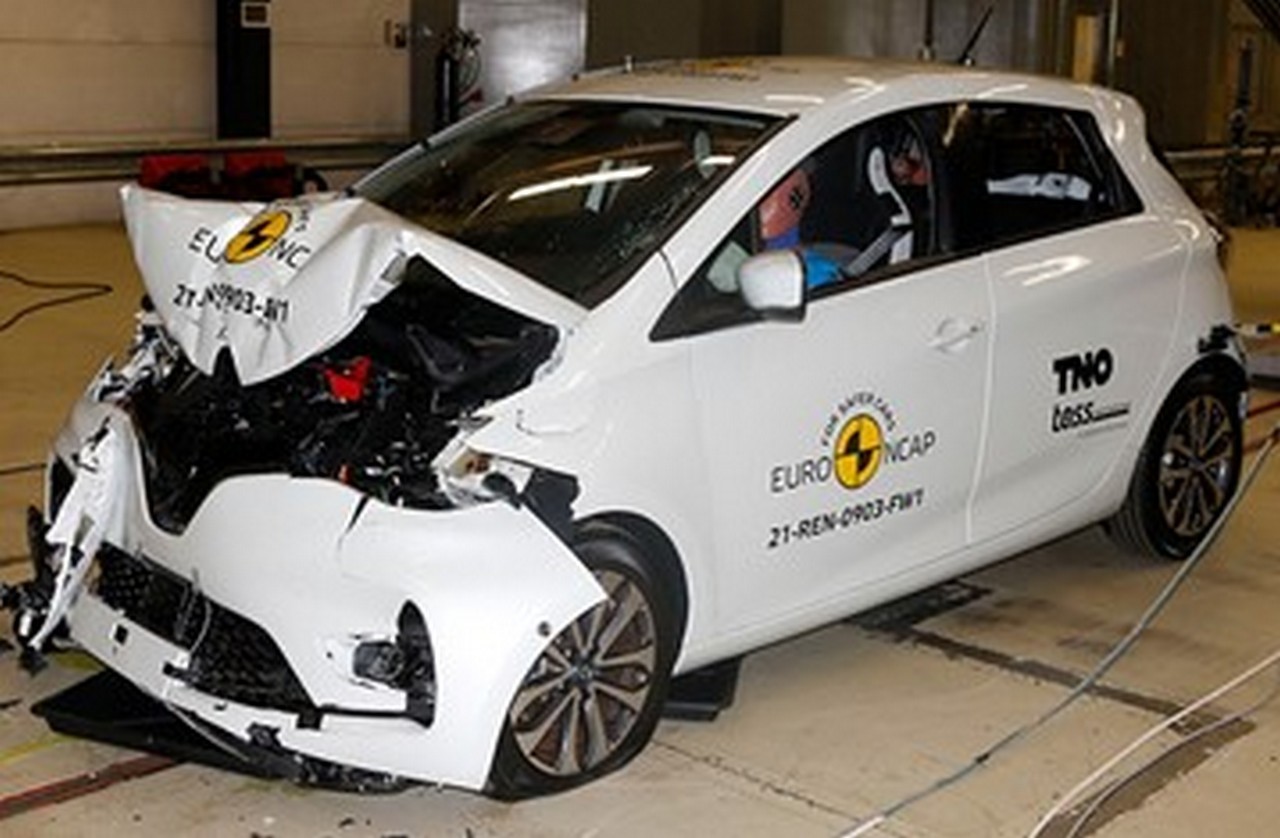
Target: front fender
{"type": "Point", "coordinates": [495, 586]}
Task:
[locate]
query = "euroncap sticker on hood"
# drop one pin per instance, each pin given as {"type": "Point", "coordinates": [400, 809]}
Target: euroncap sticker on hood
{"type": "Point", "coordinates": [274, 284]}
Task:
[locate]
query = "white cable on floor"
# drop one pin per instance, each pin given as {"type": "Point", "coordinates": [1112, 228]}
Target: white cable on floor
{"type": "Point", "coordinates": [1150, 734]}
{"type": "Point", "coordinates": [1119, 783]}
{"type": "Point", "coordinates": [1090, 680]}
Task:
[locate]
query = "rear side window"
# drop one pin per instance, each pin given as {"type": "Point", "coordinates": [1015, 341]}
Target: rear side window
{"type": "Point", "coordinates": [1020, 171]}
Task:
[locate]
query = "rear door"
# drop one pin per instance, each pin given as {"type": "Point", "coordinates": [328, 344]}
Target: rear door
{"type": "Point", "coordinates": [1084, 285]}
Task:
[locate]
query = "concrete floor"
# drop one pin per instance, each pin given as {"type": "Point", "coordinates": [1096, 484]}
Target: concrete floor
{"type": "Point", "coordinates": [827, 729]}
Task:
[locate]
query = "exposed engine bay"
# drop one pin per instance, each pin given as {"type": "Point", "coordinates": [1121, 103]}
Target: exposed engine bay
{"type": "Point", "coordinates": [373, 411]}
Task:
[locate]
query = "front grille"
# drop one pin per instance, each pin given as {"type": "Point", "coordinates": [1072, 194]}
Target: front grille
{"type": "Point", "coordinates": [158, 601]}
{"type": "Point", "coordinates": [231, 657]}
{"type": "Point", "coordinates": [238, 660]}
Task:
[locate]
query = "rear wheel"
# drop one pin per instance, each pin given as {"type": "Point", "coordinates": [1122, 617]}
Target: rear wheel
{"type": "Point", "coordinates": [1186, 474]}
{"type": "Point", "coordinates": [592, 699]}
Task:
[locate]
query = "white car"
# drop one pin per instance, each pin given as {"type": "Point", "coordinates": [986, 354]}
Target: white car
{"type": "Point", "coordinates": [444, 478]}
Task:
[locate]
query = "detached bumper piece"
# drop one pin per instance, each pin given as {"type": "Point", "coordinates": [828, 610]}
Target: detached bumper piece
{"type": "Point", "coordinates": [107, 708]}
{"type": "Point", "coordinates": [32, 596]}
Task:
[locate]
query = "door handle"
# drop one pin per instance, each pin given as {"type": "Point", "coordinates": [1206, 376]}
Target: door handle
{"type": "Point", "coordinates": [954, 334]}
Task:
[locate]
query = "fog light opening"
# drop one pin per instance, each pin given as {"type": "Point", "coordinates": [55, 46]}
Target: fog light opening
{"type": "Point", "coordinates": [405, 664]}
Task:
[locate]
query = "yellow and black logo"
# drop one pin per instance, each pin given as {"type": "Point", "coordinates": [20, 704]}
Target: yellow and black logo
{"type": "Point", "coordinates": [262, 231]}
{"type": "Point", "coordinates": [858, 450]}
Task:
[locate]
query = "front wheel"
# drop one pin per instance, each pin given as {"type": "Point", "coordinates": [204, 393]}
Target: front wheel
{"type": "Point", "coordinates": [592, 699]}
{"type": "Point", "coordinates": [1186, 474]}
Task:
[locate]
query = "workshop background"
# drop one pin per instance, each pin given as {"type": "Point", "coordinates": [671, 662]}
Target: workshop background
{"type": "Point", "coordinates": [840, 723]}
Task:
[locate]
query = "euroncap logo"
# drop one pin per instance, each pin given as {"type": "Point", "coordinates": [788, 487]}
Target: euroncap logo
{"type": "Point", "coordinates": [858, 450]}
{"type": "Point", "coordinates": [262, 231]}
{"type": "Point", "coordinates": [860, 436]}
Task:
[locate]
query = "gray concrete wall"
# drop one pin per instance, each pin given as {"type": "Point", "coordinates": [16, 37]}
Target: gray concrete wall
{"type": "Point", "coordinates": [95, 70]}
{"type": "Point", "coordinates": [740, 27]}
{"type": "Point", "coordinates": [105, 69]}
{"type": "Point", "coordinates": [333, 71]}
{"type": "Point", "coordinates": [524, 43]}
{"type": "Point", "coordinates": [1265, 111]}
{"type": "Point", "coordinates": [643, 30]}
{"type": "Point", "coordinates": [681, 29]}
{"type": "Point", "coordinates": [1177, 57]}
{"type": "Point", "coordinates": [895, 29]}
{"type": "Point", "coordinates": [111, 70]}
{"type": "Point", "coordinates": [1174, 61]}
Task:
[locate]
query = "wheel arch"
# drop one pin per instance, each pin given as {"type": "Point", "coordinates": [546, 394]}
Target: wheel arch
{"type": "Point", "coordinates": [1218, 365]}
{"type": "Point", "coordinates": [633, 547]}
{"type": "Point", "coordinates": [1138, 526]}
{"type": "Point", "coordinates": [657, 546]}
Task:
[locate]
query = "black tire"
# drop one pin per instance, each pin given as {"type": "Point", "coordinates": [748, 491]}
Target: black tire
{"type": "Point", "coordinates": [586, 708]}
{"type": "Point", "coordinates": [1186, 474]}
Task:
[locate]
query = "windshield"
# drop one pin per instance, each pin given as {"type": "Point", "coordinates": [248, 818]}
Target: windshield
{"type": "Point", "coordinates": [573, 194]}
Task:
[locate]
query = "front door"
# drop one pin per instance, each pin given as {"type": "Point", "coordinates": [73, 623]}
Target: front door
{"type": "Point", "coordinates": [843, 447]}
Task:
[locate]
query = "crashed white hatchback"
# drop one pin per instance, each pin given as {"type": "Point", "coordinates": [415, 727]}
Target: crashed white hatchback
{"type": "Point", "coordinates": [445, 477]}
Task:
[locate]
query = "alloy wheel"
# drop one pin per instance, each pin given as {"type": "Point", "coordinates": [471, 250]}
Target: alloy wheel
{"type": "Point", "coordinates": [1197, 466]}
{"type": "Point", "coordinates": [587, 690]}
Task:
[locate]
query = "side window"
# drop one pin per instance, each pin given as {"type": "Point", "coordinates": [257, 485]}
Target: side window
{"type": "Point", "coordinates": [1020, 171]}
{"type": "Point", "coordinates": [859, 209]}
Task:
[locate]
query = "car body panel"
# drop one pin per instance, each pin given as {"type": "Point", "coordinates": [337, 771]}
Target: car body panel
{"type": "Point", "coordinates": [825, 442]}
{"type": "Point", "coordinates": [305, 272]}
{"type": "Point", "coordinates": [1054, 427]}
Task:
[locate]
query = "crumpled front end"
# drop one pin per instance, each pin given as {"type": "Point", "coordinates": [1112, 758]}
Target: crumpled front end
{"type": "Point", "coordinates": [308, 558]}
{"type": "Point", "coordinates": [298, 615]}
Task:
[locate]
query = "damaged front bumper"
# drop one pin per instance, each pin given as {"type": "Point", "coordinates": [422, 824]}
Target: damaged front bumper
{"type": "Point", "coordinates": [299, 616]}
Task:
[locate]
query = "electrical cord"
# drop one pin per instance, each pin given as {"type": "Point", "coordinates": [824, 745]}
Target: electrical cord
{"type": "Point", "coordinates": [1121, 782]}
{"type": "Point", "coordinates": [82, 291]}
{"type": "Point", "coordinates": [1270, 660]}
{"type": "Point", "coordinates": [1090, 680]}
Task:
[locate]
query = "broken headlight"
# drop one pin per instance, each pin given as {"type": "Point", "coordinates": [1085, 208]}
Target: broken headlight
{"type": "Point", "coordinates": [468, 476]}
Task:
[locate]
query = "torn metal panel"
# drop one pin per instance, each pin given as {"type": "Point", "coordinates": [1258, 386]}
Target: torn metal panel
{"type": "Point", "coordinates": [91, 513]}
{"type": "Point", "coordinates": [276, 284]}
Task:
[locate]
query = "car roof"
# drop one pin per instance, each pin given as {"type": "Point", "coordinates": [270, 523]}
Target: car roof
{"type": "Point", "coordinates": [795, 86]}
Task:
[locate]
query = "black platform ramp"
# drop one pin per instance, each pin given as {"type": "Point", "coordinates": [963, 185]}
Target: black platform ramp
{"type": "Point", "coordinates": [701, 695]}
{"type": "Point", "coordinates": [107, 708]}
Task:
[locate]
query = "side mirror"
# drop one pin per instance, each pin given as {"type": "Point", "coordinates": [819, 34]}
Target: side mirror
{"type": "Point", "coordinates": [773, 285]}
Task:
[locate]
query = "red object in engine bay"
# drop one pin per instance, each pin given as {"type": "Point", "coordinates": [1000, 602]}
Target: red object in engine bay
{"type": "Point", "coordinates": [347, 383]}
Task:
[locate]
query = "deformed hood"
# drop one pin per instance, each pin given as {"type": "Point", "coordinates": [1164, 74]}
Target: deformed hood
{"type": "Point", "coordinates": [274, 284]}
